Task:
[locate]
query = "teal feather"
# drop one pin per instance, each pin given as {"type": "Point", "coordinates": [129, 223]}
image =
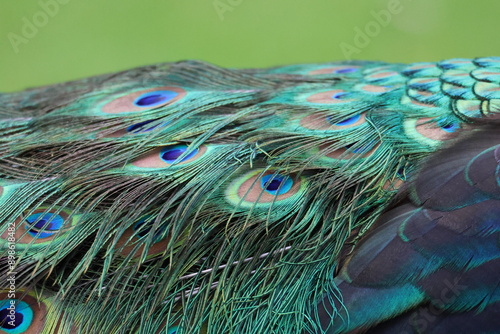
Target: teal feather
{"type": "Point", "coordinates": [190, 198]}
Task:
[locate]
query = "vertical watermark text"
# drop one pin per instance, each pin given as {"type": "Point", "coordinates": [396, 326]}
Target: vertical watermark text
{"type": "Point", "coordinates": [9, 320]}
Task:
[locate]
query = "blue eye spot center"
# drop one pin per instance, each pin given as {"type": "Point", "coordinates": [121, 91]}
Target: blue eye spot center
{"type": "Point", "coordinates": [144, 226]}
{"type": "Point", "coordinates": [152, 99]}
{"type": "Point", "coordinates": [339, 95]}
{"type": "Point", "coordinates": [143, 231]}
{"type": "Point", "coordinates": [449, 127]}
{"type": "Point", "coordinates": [359, 149]}
{"type": "Point", "coordinates": [173, 330]}
{"type": "Point", "coordinates": [346, 70]}
{"type": "Point", "coordinates": [15, 314]}
{"type": "Point", "coordinates": [276, 184]}
{"type": "Point", "coordinates": [170, 154]}
{"type": "Point", "coordinates": [9, 320]}
{"type": "Point", "coordinates": [346, 122]}
{"type": "Point", "coordinates": [141, 127]}
{"type": "Point", "coordinates": [44, 224]}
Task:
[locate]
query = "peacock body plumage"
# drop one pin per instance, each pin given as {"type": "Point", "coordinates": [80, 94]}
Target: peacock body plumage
{"type": "Point", "coordinates": [189, 198]}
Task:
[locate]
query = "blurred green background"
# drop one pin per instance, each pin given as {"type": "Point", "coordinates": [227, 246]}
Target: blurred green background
{"type": "Point", "coordinates": [50, 41]}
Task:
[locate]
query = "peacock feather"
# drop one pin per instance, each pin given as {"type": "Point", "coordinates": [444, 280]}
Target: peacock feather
{"type": "Point", "coordinates": [189, 198]}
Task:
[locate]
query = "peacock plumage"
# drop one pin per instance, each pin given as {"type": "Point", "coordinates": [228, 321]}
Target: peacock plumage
{"type": "Point", "coordinates": [344, 197]}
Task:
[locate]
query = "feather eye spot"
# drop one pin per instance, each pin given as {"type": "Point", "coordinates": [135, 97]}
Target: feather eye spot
{"type": "Point", "coordinates": [133, 240]}
{"type": "Point", "coordinates": [320, 121]}
{"type": "Point", "coordinates": [43, 225]}
{"type": "Point", "coordinates": [329, 97]}
{"type": "Point", "coordinates": [16, 316]}
{"type": "Point", "coordinates": [142, 127]}
{"type": "Point", "coordinates": [430, 129]}
{"type": "Point", "coordinates": [276, 184]}
{"type": "Point", "coordinates": [144, 226]}
{"type": "Point", "coordinates": [138, 128]}
{"type": "Point", "coordinates": [144, 100]}
{"type": "Point", "coordinates": [338, 95]}
{"type": "Point", "coordinates": [153, 99]}
{"type": "Point", "coordinates": [344, 69]}
{"type": "Point", "coordinates": [264, 187]}
{"type": "Point", "coordinates": [167, 156]}
{"type": "Point", "coordinates": [171, 154]}
{"type": "Point", "coordinates": [449, 127]}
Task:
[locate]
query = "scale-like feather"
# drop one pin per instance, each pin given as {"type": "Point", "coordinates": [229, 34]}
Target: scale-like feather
{"type": "Point", "coordinates": [429, 265]}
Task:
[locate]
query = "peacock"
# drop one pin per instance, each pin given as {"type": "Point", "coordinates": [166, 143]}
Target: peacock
{"type": "Point", "coordinates": [343, 197]}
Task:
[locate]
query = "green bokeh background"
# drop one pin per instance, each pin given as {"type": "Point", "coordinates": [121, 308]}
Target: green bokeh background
{"type": "Point", "coordinates": [90, 37]}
